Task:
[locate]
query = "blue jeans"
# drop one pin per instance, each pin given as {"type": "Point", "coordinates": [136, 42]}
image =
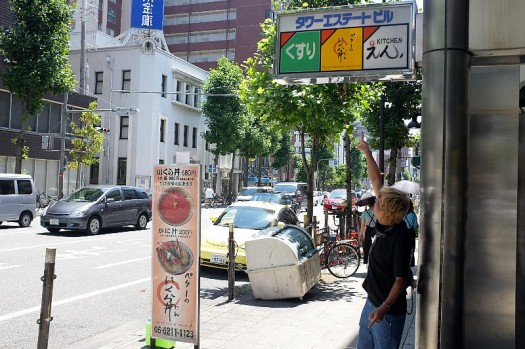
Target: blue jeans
{"type": "Point", "coordinates": [383, 335]}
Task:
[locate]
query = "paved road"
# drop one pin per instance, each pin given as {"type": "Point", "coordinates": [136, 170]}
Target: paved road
{"type": "Point", "coordinates": [102, 282]}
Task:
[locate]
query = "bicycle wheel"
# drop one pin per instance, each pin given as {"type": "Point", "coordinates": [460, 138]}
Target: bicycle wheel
{"type": "Point", "coordinates": [342, 260]}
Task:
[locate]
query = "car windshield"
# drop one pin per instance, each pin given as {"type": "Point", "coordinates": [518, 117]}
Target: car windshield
{"type": "Point", "coordinates": [286, 188]}
{"type": "Point", "coordinates": [246, 217]}
{"type": "Point", "coordinates": [85, 195]}
{"type": "Point", "coordinates": [248, 191]}
{"type": "Point", "coordinates": [338, 195]}
{"type": "Point", "coordinates": [267, 197]}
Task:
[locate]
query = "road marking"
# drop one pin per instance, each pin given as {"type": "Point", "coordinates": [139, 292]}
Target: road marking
{"type": "Point", "coordinates": [73, 299]}
{"type": "Point", "coordinates": [7, 266]}
{"type": "Point", "coordinates": [55, 244]}
{"type": "Point", "coordinates": [123, 262]}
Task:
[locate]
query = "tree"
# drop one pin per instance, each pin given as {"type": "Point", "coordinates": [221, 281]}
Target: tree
{"type": "Point", "coordinates": [260, 139]}
{"type": "Point", "coordinates": [320, 112]}
{"type": "Point", "coordinates": [36, 51]}
{"type": "Point", "coordinates": [225, 115]}
{"type": "Point", "coordinates": [88, 141]}
{"type": "Point", "coordinates": [283, 154]}
{"type": "Point", "coordinates": [402, 99]}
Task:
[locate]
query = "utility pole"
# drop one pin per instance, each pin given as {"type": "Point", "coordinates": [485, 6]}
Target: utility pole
{"type": "Point", "coordinates": [82, 76]}
{"type": "Point", "coordinates": [62, 161]}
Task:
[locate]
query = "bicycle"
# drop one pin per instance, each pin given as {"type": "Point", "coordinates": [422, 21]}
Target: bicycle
{"type": "Point", "coordinates": [340, 257]}
{"type": "Point", "coordinates": [43, 200]}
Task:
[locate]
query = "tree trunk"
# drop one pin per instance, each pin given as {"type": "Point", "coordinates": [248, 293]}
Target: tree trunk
{"type": "Point", "coordinates": [230, 182]}
{"type": "Point", "coordinates": [20, 142]}
{"type": "Point", "coordinates": [392, 166]}
{"type": "Point", "coordinates": [309, 169]}
{"type": "Point", "coordinates": [216, 179]}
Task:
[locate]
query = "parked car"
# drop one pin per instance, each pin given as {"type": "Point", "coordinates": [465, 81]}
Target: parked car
{"type": "Point", "coordinates": [296, 189]}
{"type": "Point", "coordinates": [335, 201]}
{"type": "Point", "coordinates": [246, 193]}
{"type": "Point", "coordinates": [277, 198]}
{"type": "Point", "coordinates": [93, 208]}
{"type": "Point", "coordinates": [17, 199]}
{"type": "Point", "coordinates": [249, 218]}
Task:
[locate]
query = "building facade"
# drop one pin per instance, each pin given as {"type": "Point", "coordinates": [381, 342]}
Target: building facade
{"type": "Point", "coordinates": [202, 31]}
{"type": "Point", "coordinates": [43, 137]}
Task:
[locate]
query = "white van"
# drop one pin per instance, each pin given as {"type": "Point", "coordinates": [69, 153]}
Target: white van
{"type": "Point", "coordinates": [17, 199]}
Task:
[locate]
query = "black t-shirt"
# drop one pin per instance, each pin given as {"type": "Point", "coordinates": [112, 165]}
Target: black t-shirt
{"type": "Point", "coordinates": [388, 258]}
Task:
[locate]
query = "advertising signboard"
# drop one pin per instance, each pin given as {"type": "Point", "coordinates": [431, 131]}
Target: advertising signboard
{"type": "Point", "coordinates": [147, 14]}
{"type": "Point", "coordinates": [369, 42]}
{"type": "Point", "coordinates": [175, 253]}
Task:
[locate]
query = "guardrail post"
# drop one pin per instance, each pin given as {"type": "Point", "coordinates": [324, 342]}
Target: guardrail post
{"type": "Point", "coordinates": [231, 264]}
{"type": "Point", "coordinates": [47, 297]}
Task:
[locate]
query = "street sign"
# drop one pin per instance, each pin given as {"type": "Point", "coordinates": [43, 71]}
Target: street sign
{"type": "Point", "coordinates": [175, 253]}
{"type": "Point", "coordinates": [333, 162]}
{"type": "Point", "coordinates": [366, 42]}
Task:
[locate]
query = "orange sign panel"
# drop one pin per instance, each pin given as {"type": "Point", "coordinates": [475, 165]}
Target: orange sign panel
{"type": "Point", "coordinates": [342, 49]}
{"type": "Point", "coordinates": [175, 253]}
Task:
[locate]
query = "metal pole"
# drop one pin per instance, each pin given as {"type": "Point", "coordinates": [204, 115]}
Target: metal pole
{"type": "Point", "coordinates": [62, 161]}
{"type": "Point", "coordinates": [231, 265]}
{"type": "Point", "coordinates": [382, 139]}
{"type": "Point", "coordinates": [82, 77]}
{"type": "Point", "coordinates": [47, 297]}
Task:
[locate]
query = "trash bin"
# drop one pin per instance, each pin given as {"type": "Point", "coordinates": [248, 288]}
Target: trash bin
{"type": "Point", "coordinates": [283, 264]}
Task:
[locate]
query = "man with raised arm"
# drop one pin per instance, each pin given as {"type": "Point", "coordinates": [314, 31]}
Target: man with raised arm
{"type": "Point", "coordinates": [383, 316]}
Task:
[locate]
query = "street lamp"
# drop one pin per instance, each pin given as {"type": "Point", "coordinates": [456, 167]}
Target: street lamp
{"type": "Point", "coordinates": [414, 123]}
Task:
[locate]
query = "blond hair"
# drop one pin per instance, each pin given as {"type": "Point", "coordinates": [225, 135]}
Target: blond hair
{"type": "Point", "coordinates": [394, 204]}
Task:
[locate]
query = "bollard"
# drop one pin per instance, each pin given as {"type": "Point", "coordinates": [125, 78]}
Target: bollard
{"type": "Point", "coordinates": [47, 297]}
{"type": "Point", "coordinates": [231, 265]}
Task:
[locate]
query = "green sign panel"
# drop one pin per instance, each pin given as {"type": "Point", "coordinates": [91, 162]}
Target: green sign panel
{"type": "Point", "coordinates": [301, 53]}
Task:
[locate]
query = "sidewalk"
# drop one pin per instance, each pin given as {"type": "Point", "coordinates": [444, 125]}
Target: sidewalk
{"type": "Point", "coordinates": [326, 317]}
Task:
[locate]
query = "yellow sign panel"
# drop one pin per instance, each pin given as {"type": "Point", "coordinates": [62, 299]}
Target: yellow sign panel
{"type": "Point", "coordinates": [342, 49]}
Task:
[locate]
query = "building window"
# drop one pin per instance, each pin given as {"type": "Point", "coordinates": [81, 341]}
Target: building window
{"type": "Point", "coordinates": [207, 146]}
{"type": "Point", "coordinates": [179, 91]}
{"type": "Point", "coordinates": [162, 129]}
{"type": "Point", "coordinates": [99, 80]}
{"type": "Point", "coordinates": [163, 86]}
{"type": "Point", "coordinates": [186, 130]}
{"type": "Point", "coordinates": [112, 15]}
{"type": "Point", "coordinates": [126, 80]}
{"type": "Point", "coordinates": [121, 171]}
{"type": "Point", "coordinates": [110, 31]}
{"type": "Point", "coordinates": [161, 162]}
{"type": "Point", "coordinates": [194, 138]}
{"type": "Point", "coordinates": [196, 97]}
{"type": "Point", "coordinates": [177, 126]}
{"type": "Point", "coordinates": [124, 126]}
{"type": "Point", "coordinates": [93, 173]}
{"type": "Point", "coordinates": [188, 96]}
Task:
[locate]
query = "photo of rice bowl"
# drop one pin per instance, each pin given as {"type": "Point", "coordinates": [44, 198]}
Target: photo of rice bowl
{"type": "Point", "coordinates": [175, 206]}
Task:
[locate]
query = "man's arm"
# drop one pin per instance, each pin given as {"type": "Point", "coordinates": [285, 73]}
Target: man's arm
{"type": "Point", "coordinates": [373, 170]}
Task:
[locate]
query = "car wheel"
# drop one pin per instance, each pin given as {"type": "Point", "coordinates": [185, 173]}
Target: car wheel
{"type": "Point", "coordinates": [53, 230]}
{"type": "Point", "coordinates": [94, 225]}
{"type": "Point", "coordinates": [1, 222]}
{"type": "Point", "coordinates": [142, 222]}
{"type": "Point", "coordinates": [25, 219]}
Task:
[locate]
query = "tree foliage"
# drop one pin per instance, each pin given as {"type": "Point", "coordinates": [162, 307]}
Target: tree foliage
{"type": "Point", "coordinates": [36, 50]}
{"type": "Point", "coordinates": [402, 99]}
{"type": "Point", "coordinates": [225, 116]}
{"type": "Point", "coordinates": [88, 140]}
{"type": "Point", "coordinates": [319, 112]}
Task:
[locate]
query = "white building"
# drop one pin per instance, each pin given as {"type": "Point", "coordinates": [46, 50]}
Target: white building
{"type": "Point", "coordinates": [166, 128]}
